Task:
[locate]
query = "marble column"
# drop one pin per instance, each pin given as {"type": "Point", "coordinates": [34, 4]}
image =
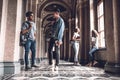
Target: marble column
{"type": "Point", "coordinates": [2, 33]}
{"type": "Point", "coordinates": [24, 8]}
{"type": "Point", "coordinates": [113, 59]}
{"type": "Point", "coordinates": [10, 28]}
{"type": "Point", "coordinates": [1, 2]}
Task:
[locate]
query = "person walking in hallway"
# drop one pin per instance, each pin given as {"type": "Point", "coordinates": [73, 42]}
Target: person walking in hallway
{"type": "Point", "coordinates": [76, 40]}
{"type": "Point", "coordinates": [94, 48]}
{"type": "Point", "coordinates": [29, 30]}
{"type": "Point", "coordinates": [56, 39]}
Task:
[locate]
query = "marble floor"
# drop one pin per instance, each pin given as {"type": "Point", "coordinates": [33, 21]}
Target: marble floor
{"type": "Point", "coordinates": [66, 71]}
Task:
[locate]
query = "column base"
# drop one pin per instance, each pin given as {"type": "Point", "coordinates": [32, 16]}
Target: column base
{"type": "Point", "coordinates": [112, 67]}
{"type": "Point", "coordinates": [37, 61]}
{"type": "Point", "coordinates": [9, 68]}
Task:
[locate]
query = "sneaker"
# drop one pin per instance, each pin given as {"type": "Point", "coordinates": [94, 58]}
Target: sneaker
{"type": "Point", "coordinates": [34, 66]}
{"type": "Point", "coordinates": [51, 67]}
{"type": "Point", "coordinates": [74, 63]}
{"type": "Point", "coordinates": [95, 62]}
{"type": "Point", "coordinates": [56, 68]}
{"type": "Point", "coordinates": [77, 64]}
{"type": "Point", "coordinates": [27, 68]}
{"type": "Point", "coordinates": [89, 64]}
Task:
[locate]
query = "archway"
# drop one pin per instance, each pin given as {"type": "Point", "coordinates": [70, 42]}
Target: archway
{"type": "Point", "coordinates": [45, 11]}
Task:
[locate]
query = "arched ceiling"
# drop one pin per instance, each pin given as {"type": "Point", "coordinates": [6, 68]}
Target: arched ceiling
{"type": "Point", "coordinates": [50, 18]}
{"type": "Point", "coordinates": [53, 7]}
{"type": "Point", "coordinates": [46, 10]}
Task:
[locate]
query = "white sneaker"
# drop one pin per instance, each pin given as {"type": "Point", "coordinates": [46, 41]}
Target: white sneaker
{"type": "Point", "coordinates": [51, 67]}
{"type": "Point", "coordinates": [56, 68]}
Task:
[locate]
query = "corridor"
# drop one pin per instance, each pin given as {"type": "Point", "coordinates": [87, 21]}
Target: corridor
{"type": "Point", "coordinates": [87, 15]}
{"type": "Point", "coordinates": [66, 71]}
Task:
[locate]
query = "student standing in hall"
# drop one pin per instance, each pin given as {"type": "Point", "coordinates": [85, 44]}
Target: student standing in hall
{"type": "Point", "coordinates": [76, 40]}
{"type": "Point", "coordinates": [94, 48]}
{"type": "Point", "coordinates": [56, 39]}
{"type": "Point", "coordinates": [29, 30]}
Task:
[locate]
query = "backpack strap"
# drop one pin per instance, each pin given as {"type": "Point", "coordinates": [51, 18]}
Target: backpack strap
{"type": "Point", "coordinates": [28, 23]}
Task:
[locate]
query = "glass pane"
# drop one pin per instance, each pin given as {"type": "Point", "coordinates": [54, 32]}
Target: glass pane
{"type": "Point", "coordinates": [100, 9]}
{"type": "Point", "coordinates": [101, 25]}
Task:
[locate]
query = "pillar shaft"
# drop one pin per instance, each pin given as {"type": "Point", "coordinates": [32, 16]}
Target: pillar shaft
{"type": "Point", "coordinates": [112, 35]}
{"type": "Point", "coordinates": [1, 2]}
{"type": "Point", "coordinates": [3, 28]}
{"type": "Point", "coordinates": [116, 14]}
{"type": "Point", "coordinates": [10, 29]}
{"type": "Point", "coordinates": [85, 28]}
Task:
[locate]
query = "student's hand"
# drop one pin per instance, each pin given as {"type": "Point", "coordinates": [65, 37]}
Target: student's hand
{"type": "Point", "coordinates": [58, 43]}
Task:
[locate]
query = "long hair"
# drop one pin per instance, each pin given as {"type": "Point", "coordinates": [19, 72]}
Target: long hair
{"type": "Point", "coordinates": [94, 34]}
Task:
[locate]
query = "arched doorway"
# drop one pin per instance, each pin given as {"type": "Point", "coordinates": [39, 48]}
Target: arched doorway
{"type": "Point", "coordinates": [45, 10]}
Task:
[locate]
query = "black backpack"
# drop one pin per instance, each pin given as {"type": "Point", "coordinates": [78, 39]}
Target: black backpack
{"type": "Point", "coordinates": [24, 37]}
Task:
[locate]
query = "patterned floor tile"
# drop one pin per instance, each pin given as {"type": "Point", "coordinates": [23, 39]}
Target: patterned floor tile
{"type": "Point", "coordinates": [66, 71]}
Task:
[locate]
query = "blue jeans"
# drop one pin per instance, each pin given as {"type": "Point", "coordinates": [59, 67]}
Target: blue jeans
{"type": "Point", "coordinates": [91, 53]}
{"type": "Point", "coordinates": [30, 45]}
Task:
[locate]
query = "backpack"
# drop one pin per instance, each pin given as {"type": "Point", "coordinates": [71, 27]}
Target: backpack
{"type": "Point", "coordinates": [24, 37]}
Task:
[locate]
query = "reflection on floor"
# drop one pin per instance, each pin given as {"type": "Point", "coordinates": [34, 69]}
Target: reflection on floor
{"type": "Point", "coordinates": [66, 71]}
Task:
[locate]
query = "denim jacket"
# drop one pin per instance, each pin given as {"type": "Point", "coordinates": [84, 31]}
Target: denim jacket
{"type": "Point", "coordinates": [58, 29]}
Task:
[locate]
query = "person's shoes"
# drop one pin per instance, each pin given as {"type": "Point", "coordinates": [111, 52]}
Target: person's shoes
{"type": "Point", "coordinates": [89, 64]}
{"type": "Point", "coordinates": [77, 64]}
{"type": "Point", "coordinates": [27, 68]}
{"type": "Point", "coordinates": [34, 66]}
{"type": "Point", "coordinates": [56, 68]}
{"type": "Point", "coordinates": [51, 62]}
{"type": "Point", "coordinates": [74, 63]}
{"type": "Point", "coordinates": [51, 67]}
{"type": "Point", "coordinates": [95, 62]}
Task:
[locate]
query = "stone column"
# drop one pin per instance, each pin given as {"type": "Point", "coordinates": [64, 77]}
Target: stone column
{"type": "Point", "coordinates": [39, 38]}
{"type": "Point", "coordinates": [85, 29]}
{"type": "Point", "coordinates": [116, 14]}
{"type": "Point", "coordinates": [113, 59]}
{"type": "Point", "coordinates": [11, 23]}
{"type": "Point", "coordinates": [24, 2]}
{"type": "Point", "coordinates": [1, 2]}
{"type": "Point", "coordinates": [29, 5]}
{"type": "Point", "coordinates": [68, 52]}
{"type": "Point", "coordinates": [2, 33]}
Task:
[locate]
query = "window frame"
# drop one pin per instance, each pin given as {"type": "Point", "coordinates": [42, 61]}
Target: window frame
{"type": "Point", "coordinates": [98, 24]}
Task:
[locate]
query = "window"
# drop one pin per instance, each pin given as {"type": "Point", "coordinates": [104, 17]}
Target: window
{"type": "Point", "coordinates": [100, 17]}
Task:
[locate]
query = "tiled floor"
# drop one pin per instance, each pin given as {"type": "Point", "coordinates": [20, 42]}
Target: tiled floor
{"type": "Point", "coordinates": [66, 71]}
